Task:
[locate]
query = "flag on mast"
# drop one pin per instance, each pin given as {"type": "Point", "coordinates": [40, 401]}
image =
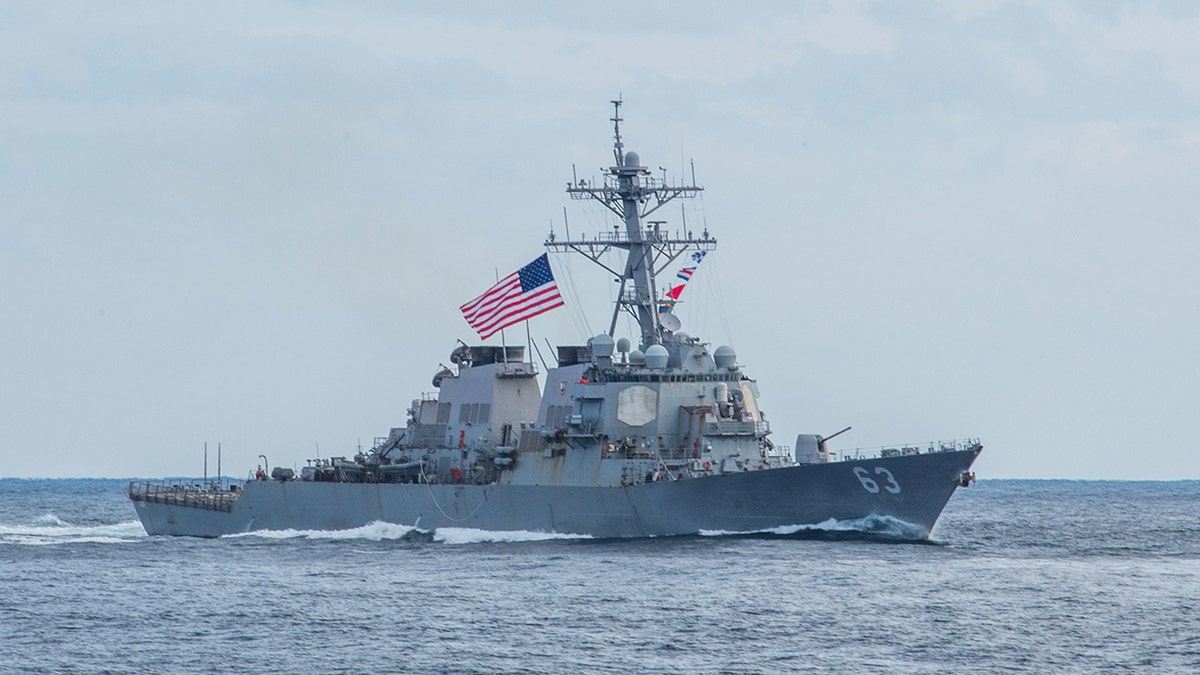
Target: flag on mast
{"type": "Point", "coordinates": [522, 295]}
{"type": "Point", "coordinates": [672, 294]}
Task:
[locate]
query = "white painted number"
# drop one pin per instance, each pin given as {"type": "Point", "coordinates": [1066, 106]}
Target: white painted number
{"type": "Point", "coordinates": [865, 478]}
{"type": "Point", "coordinates": [869, 483]}
{"type": "Point", "coordinates": [892, 486]}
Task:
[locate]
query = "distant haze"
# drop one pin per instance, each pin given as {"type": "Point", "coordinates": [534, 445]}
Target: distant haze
{"type": "Point", "coordinates": [253, 224]}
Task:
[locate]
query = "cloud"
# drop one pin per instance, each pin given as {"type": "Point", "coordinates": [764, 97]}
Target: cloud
{"type": "Point", "coordinates": [1170, 40]}
{"type": "Point", "coordinates": [1091, 144]}
{"type": "Point", "coordinates": [603, 54]}
{"type": "Point", "coordinates": [1108, 39]}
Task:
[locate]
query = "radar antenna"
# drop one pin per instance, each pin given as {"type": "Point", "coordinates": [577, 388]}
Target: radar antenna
{"type": "Point", "coordinates": [632, 193]}
{"type": "Point", "coordinates": [618, 147]}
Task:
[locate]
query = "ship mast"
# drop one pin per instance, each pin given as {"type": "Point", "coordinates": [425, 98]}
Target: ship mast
{"type": "Point", "coordinates": [629, 191]}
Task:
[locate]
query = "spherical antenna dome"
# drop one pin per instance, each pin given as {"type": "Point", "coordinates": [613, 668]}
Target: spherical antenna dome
{"type": "Point", "coordinates": [623, 345]}
{"type": "Point", "coordinates": [656, 356]}
{"type": "Point", "coordinates": [725, 356]}
{"type": "Point", "coordinates": [602, 345]}
{"type": "Point", "coordinates": [637, 358]}
{"type": "Point", "coordinates": [632, 159]}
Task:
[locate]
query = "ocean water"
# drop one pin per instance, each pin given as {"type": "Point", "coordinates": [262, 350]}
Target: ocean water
{"type": "Point", "coordinates": [1020, 576]}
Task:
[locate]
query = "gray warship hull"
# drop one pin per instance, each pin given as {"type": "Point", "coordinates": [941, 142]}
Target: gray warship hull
{"type": "Point", "coordinates": [731, 503]}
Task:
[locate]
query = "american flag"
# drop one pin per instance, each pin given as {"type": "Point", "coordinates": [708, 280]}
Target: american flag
{"type": "Point", "coordinates": [521, 295]}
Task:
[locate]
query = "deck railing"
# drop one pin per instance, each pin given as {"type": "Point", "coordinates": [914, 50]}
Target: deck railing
{"type": "Point", "coordinates": [735, 428]}
{"type": "Point", "coordinates": [909, 449]}
{"type": "Point", "coordinates": [176, 493]}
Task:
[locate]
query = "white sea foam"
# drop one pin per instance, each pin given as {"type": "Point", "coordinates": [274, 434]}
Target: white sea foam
{"type": "Point", "coordinates": [882, 526]}
{"type": "Point", "coordinates": [381, 531]}
{"type": "Point", "coordinates": [50, 520]}
{"type": "Point", "coordinates": [467, 535]}
{"type": "Point", "coordinates": [376, 531]}
{"type": "Point", "coordinates": [50, 530]}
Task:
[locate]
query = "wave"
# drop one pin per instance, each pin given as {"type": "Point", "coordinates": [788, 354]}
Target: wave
{"type": "Point", "coordinates": [867, 527]}
{"type": "Point", "coordinates": [51, 520]}
{"type": "Point", "coordinates": [376, 531]}
{"type": "Point", "coordinates": [382, 531]}
{"type": "Point", "coordinates": [467, 535]}
{"type": "Point", "coordinates": [49, 530]}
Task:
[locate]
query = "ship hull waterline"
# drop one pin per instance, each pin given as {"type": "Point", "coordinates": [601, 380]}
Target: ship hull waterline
{"type": "Point", "coordinates": [913, 489]}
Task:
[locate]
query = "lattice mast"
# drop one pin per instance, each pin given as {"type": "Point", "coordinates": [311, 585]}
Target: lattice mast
{"type": "Point", "coordinates": [629, 191]}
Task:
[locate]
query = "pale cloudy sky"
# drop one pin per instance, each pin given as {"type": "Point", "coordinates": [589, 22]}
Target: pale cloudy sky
{"type": "Point", "coordinates": [253, 223]}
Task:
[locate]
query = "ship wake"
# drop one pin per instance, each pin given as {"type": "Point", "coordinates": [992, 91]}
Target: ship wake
{"type": "Point", "coordinates": [382, 531]}
{"type": "Point", "coordinates": [869, 528]}
{"type": "Point", "coordinates": [50, 530]}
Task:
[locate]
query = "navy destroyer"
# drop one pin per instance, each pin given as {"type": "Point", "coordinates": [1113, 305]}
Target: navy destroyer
{"type": "Point", "coordinates": [653, 434]}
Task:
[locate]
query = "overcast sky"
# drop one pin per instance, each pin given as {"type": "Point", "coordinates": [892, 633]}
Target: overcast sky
{"type": "Point", "coordinates": [253, 223]}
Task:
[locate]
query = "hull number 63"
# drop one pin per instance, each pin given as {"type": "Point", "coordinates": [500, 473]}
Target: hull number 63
{"type": "Point", "coordinates": [871, 485]}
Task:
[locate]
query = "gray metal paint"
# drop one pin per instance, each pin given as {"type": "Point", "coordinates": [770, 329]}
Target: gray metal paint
{"type": "Point", "coordinates": [743, 502]}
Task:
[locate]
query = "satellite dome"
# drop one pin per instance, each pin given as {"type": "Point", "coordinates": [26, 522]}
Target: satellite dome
{"type": "Point", "coordinates": [632, 159]}
{"type": "Point", "coordinates": [602, 345]}
{"type": "Point", "coordinates": [637, 358]}
{"type": "Point", "coordinates": [725, 356]}
{"type": "Point", "coordinates": [656, 356]}
{"type": "Point", "coordinates": [623, 345]}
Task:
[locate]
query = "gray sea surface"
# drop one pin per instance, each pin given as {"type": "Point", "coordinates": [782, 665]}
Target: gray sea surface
{"type": "Point", "coordinates": [1020, 576]}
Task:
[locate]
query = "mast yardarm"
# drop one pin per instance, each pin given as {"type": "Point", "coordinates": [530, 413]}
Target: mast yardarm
{"type": "Point", "coordinates": [632, 194]}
